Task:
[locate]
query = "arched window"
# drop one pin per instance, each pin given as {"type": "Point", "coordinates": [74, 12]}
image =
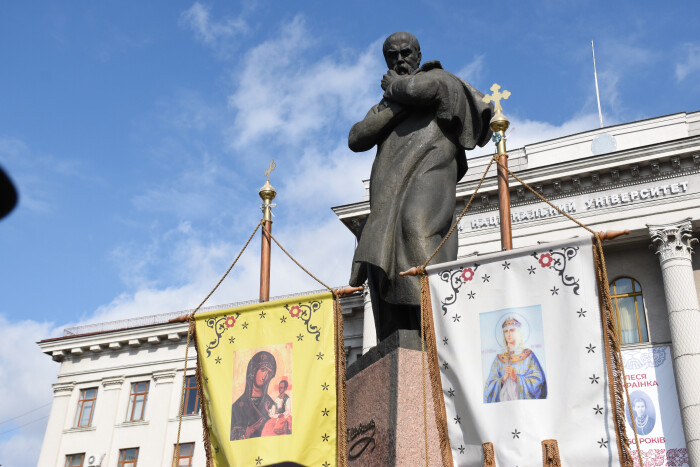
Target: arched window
{"type": "Point", "coordinates": [629, 310]}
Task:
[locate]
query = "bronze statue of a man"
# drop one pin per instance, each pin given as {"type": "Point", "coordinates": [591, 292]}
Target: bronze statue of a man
{"type": "Point", "coordinates": [421, 127]}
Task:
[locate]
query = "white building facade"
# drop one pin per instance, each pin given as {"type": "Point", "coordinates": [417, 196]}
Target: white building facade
{"type": "Point", "coordinates": [642, 176]}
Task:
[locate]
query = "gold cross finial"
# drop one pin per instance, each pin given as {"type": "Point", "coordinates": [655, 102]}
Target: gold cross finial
{"type": "Point", "coordinates": [270, 169]}
{"type": "Point", "coordinates": [496, 97]}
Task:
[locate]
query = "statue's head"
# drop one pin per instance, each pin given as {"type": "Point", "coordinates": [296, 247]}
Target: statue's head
{"type": "Point", "coordinates": [402, 52]}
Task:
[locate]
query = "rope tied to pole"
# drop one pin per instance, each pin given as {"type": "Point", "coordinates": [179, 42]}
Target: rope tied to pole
{"type": "Point", "coordinates": [190, 333]}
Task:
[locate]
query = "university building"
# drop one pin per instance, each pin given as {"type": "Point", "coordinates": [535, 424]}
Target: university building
{"type": "Point", "coordinates": [117, 396]}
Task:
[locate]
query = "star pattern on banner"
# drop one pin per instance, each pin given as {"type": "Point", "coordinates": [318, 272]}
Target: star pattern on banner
{"type": "Point", "coordinates": [206, 379]}
{"type": "Point", "coordinates": [283, 319]}
{"type": "Point", "coordinates": [218, 360]}
{"type": "Point", "coordinates": [326, 464]}
{"type": "Point", "coordinates": [461, 449]}
{"type": "Point", "coordinates": [216, 449]}
{"type": "Point", "coordinates": [591, 348]}
{"type": "Point", "coordinates": [531, 270]}
{"type": "Point", "coordinates": [258, 461]}
{"type": "Point", "coordinates": [581, 313]}
{"type": "Point", "coordinates": [325, 386]}
{"type": "Point", "coordinates": [598, 409]}
{"type": "Point", "coordinates": [444, 341]}
{"type": "Point", "coordinates": [456, 318]}
{"type": "Point", "coordinates": [445, 365]}
{"type": "Point", "coordinates": [231, 340]}
{"type": "Point", "coordinates": [594, 379]}
{"type": "Point", "coordinates": [451, 392]}
{"type": "Point", "coordinates": [325, 437]}
{"type": "Point", "coordinates": [458, 420]}
{"type": "Point", "coordinates": [603, 443]}
{"type": "Point", "coordinates": [319, 356]}
{"type": "Point", "coordinates": [471, 295]}
{"type": "Point", "coordinates": [300, 337]}
{"type": "Point", "coordinates": [515, 433]}
{"type": "Point", "coordinates": [245, 325]}
{"type": "Point", "coordinates": [506, 265]}
{"type": "Point", "coordinates": [554, 290]}
{"type": "Point", "coordinates": [324, 412]}
{"type": "Point", "coordinates": [486, 278]}
{"type": "Point", "coordinates": [262, 315]}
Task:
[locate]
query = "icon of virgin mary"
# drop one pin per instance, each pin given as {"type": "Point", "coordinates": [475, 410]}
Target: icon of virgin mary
{"type": "Point", "coordinates": [250, 412]}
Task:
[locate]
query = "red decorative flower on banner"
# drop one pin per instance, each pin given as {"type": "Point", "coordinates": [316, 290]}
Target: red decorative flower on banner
{"type": "Point", "coordinates": [230, 321]}
{"type": "Point", "coordinates": [295, 311]}
{"type": "Point", "coordinates": [467, 274]}
{"type": "Point", "coordinates": [545, 260]}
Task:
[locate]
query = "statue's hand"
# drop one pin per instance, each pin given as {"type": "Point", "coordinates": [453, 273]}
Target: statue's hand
{"type": "Point", "coordinates": [387, 104]}
{"type": "Point", "coordinates": [388, 78]}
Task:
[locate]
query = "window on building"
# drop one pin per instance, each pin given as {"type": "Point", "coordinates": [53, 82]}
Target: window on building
{"type": "Point", "coordinates": [75, 460]}
{"type": "Point", "coordinates": [629, 310]}
{"type": "Point", "coordinates": [191, 405]}
{"type": "Point", "coordinates": [137, 401]}
{"type": "Point", "coordinates": [128, 457]}
{"type": "Point", "coordinates": [86, 406]}
{"type": "Point", "coordinates": [186, 454]}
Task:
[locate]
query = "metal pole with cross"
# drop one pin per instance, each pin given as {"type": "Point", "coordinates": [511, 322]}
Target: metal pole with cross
{"type": "Point", "coordinates": [267, 193]}
{"type": "Point", "coordinates": [499, 124]}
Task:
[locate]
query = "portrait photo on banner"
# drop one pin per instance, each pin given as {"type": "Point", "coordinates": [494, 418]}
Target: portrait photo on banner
{"type": "Point", "coordinates": [262, 392]}
{"type": "Point", "coordinates": [644, 412]}
{"type": "Point", "coordinates": [513, 354]}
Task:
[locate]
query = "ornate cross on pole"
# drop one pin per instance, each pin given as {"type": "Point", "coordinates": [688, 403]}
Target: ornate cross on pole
{"type": "Point", "coordinates": [496, 97]}
{"type": "Point", "coordinates": [270, 169]}
{"type": "Point", "coordinates": [499, 125]}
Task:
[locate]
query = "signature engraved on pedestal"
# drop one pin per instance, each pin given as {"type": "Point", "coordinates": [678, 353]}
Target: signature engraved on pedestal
{"type": "Point", "coordinates": [358, 444]}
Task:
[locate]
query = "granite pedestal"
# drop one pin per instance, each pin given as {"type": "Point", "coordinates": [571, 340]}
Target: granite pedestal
{"type": "Point", "coordinates": [385, 406]}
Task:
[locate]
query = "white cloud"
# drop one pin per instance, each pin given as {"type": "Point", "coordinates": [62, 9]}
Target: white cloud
{"type": "Point", "coordinates": [690, 64]}
{"type": "Point", "coordinates": [283, 98]}
{"type": "Point", "coordinates": [27, 375]}
{"type": "Point", "coordinates": [472, 71]}
{"type": "Point", "coordinates": [524, 131]}
{"type": "Point", "coordinates": [208, 31]}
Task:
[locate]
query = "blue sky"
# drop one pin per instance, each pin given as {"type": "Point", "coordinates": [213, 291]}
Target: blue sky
{"type": "Point", "coordinates": [138, 133]}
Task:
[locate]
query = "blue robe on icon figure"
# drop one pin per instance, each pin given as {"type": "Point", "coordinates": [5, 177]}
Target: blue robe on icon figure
{"type": "Point", "coordinates": [516, 374]}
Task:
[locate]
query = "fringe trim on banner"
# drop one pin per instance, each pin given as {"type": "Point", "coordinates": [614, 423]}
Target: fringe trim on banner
{"type": "Point", "coordinates": [202, 402]}
{"type": "Point", "coordinates": [550, 453]}
{"type": "Point", "coordinates": [428, 333]}
{"type": "Point", "coordinates": [616, 372]}
{"type": "Point", "coordinates": [489, 455]}
{"type": "Point", "coordinates": [340, 386]}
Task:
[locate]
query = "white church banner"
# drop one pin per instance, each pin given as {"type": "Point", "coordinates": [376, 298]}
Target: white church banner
{"type": "Point", "coordinates": [522, 359]}
{"type": "Point", "coordinates": [655, 411]}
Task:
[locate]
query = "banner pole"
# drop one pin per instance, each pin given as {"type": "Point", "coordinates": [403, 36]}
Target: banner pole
{"type": "Point", "coordinates": [267, 193]}
{"type": "Point", "coordinates": [499, 124]}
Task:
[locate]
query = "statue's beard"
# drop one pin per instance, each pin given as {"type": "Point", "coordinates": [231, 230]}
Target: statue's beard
{"type": "Point", "coordinates": [403, 68]}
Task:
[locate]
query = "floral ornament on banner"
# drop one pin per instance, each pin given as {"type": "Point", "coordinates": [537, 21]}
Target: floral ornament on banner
{"type": "Point", "coordinates": [456, 278]}
{"type": "Point", "coordinates": [304, 312]}
{"type": "Point", "coordinates": [220, 325]}
{"type": "Point", "coordinates": [559, 261]}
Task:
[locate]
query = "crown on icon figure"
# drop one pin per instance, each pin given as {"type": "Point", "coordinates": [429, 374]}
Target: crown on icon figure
{"type": "Point", "coordinates": [511, 322]}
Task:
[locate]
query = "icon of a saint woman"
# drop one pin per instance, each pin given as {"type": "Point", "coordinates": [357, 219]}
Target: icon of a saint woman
{"type": "Point", "coordinates": [516, 374]}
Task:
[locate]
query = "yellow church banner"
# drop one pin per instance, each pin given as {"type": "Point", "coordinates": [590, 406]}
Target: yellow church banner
{"type": "Point", "coordinates": [268, 378]}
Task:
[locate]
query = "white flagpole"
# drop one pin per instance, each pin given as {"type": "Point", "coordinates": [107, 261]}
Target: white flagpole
{"type": "Point", "coordinates": [597, 93]}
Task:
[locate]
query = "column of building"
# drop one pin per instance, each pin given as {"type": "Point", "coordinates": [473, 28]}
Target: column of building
{"type": "Point", "coordinates": [369, 333]}
{"type": "Point", "coordinates": [57, 421]}
{"type": "Point", "coordinates": [673, 244]}
{"type": "Point", "coordinates": [105, 417]}
{"type": "Point", "coordinates": [159, 413]}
